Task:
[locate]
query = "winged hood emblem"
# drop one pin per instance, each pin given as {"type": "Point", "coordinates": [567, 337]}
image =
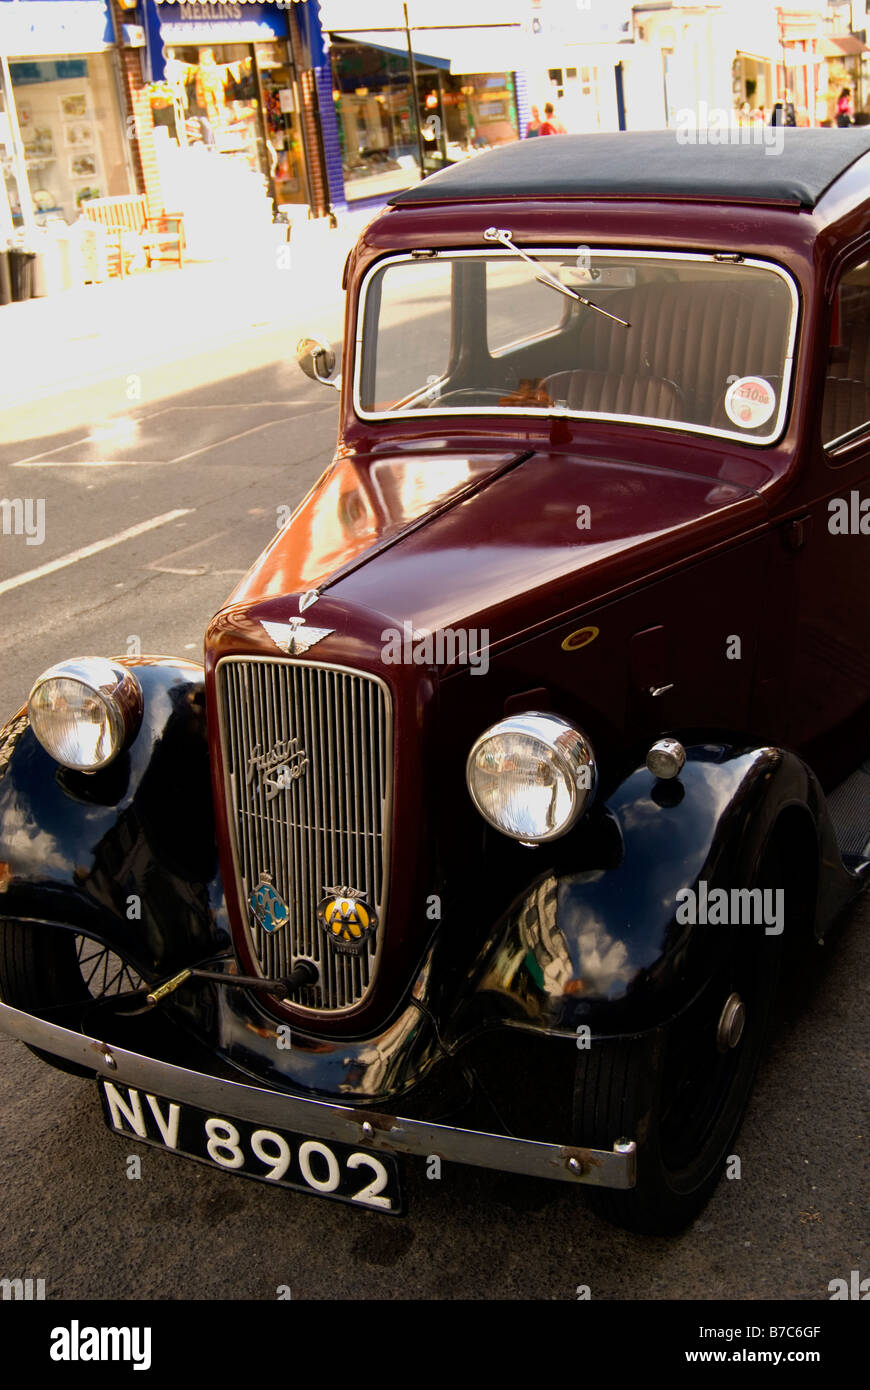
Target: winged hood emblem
{"type": "Point", "coordinates": [295, 637]}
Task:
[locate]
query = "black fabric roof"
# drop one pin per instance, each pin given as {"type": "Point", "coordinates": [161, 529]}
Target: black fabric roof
{"type": "Point", "coordinates": [650, 164]}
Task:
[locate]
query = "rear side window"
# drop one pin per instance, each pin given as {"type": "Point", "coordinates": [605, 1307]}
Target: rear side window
{"type": "Point", "coordinates": [846, 401]}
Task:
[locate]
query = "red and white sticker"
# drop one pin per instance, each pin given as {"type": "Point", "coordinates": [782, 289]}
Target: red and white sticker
{"type": "Point", "coordinates": [750, 401]}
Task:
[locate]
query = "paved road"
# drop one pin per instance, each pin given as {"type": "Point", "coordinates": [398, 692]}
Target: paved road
{"type": "Point", "coordinates": [799, 1216]}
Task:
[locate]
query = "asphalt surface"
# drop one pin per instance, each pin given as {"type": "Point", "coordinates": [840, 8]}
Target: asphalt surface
{"type": "Point", "coordinates": [227, 457]}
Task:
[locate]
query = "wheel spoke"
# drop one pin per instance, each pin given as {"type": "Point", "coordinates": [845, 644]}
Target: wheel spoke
{"type": "Point", "coordinates": [103, 971]}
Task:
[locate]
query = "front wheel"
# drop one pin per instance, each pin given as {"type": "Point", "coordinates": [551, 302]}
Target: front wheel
{"type": "Point", "coordinates": [57, 975]}
{"type": "Point", "coordinates": [680, 1093]}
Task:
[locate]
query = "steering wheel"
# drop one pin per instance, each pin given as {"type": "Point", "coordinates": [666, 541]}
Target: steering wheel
{"type": "Point", "coordinates": [473, 395]}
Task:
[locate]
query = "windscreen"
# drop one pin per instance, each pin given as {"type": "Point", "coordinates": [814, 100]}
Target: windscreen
{"type": "Point", "coordinates": [688, 341]}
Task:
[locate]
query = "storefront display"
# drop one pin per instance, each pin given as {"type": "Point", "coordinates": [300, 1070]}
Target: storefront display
{"type": "Point", "coordinates": [215, 88]}
{"type": "Point", "coordinates": [374, 107]}
{"type": "Point", "coordinates": [226, 80]}
{"type": "Point", "coordinates": [280, 102]}
{"type": "Point", "coordinates": [70, 131]}
{"type": "Point", "coordinates": [377, 109]}
{"type": "Point", "coordinates": [12, 176]}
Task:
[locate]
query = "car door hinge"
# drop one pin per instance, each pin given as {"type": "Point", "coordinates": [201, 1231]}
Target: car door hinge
{"type": "Point", "coordinates": [796, 533]}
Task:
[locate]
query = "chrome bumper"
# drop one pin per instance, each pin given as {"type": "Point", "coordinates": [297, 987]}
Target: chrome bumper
{"type": "Point", "coordinates": [594, 1167]}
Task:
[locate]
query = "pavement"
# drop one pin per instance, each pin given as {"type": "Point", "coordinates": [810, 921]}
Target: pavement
{"type": "Point", "coordinates": [97, 350]}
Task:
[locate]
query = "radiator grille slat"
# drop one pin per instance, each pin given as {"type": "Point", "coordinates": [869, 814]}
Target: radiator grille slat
{"type": "Point", "coordinates": [327, 828]}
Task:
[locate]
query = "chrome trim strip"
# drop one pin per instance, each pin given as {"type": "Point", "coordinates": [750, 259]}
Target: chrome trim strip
{"type": "Point", "coordinates": [325, 821]}
{"type": "Point", "coordinates": [392, 1134]}
{"type": "Point", "coordinates": [556, 412]}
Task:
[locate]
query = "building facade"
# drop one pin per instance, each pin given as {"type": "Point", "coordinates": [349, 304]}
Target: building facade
{"type": "Point", "coordinates": [399, 101]}
{"type": "Point", "coordinates": [63, 125]}
{"type": "Point", "coordinates": [209, 109]}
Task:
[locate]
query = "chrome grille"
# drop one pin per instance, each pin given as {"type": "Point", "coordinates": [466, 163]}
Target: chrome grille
{"type": "Point", "coordinates": [326, 828]}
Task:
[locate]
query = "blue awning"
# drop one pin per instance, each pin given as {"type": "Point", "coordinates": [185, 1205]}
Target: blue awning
{"type": "Point", "coordinates": [46, 28]}
{"type": "Point", "coordinates": [376, 40]}
{"type": "Point", "coordinates": [462, 50]}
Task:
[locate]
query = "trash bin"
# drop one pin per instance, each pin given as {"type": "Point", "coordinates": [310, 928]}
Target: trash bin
{"type": "Point", "coordinates": [5, 278]}
{"type": "Point", "coordinates": [21, 273]}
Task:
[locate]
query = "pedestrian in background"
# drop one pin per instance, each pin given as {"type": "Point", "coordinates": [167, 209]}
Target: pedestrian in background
{"type": "Point", "coordinates": [534, 126]}
{"type": "Point", "coordinates": [550, 125]}
{"type": "Point", "coordinates": [845, 109]}
{"type": "Point", "coordinates": [784, 112]}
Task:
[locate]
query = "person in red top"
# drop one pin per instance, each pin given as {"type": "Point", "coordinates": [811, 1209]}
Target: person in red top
{"type": "Point", "coordinates": [549, 125]}
{"type": "Point", "coordinates": [844, 108]}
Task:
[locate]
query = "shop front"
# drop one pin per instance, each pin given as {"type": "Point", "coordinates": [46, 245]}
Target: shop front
{"type": "Point", "coordinates": [62, 131]}
{"type": "Point", "coordinates": [402, 114]}
{"type": "Point", "coordinates": [224, 78]}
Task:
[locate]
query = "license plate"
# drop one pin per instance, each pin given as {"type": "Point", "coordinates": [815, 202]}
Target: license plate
{"type": "Point", "coordinates": [276, 1156]}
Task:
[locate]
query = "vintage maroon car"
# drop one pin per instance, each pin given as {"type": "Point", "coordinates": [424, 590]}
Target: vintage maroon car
{"type": "Point", "coordinates": [532, 745]}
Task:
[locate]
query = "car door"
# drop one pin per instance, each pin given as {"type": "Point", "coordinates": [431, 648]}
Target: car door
{"type": "Point", "coordinates": [831, 674]}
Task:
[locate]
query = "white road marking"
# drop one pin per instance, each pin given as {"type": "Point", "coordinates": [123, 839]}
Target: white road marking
{"type": "Point", "coordinates": [44, 460]}
{"type": "Point", "coordinates": [163, 568]}
{"type": "Point", "coordinates": [89, 463]}
{"type": "Point", "coordinates": [231, 439]}
{"type": "Point", "coordinates": [94, 549]}
{"type": "Point", "coordinates": [234, 405]}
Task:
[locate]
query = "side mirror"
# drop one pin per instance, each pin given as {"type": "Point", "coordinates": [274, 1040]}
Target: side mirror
{"type": "Point", "coordinates": [317, 360]}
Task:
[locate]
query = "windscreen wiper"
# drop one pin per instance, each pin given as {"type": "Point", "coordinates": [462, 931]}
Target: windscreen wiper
{"type": "Point", "coordinates": [544, 276]}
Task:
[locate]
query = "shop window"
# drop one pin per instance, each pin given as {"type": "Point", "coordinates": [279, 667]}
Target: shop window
{"type": "Point", "coordinates": [375, 114]}
{"type": "Point", "coordinates": [280, 106]}
{"type": "Point", "coordinates": [74, 147]}
{"type": "Point", "coordinates": [480, 111]}
{"type": "Point", "coordinates": [214, 93]}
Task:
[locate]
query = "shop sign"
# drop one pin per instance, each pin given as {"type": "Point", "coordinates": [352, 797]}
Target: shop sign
{"type": "Point", "coordinates": [217, 23]}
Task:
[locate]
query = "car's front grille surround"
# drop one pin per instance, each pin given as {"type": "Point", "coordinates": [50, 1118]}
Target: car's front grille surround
{"type": "Point", "coordinates": [329, 828]}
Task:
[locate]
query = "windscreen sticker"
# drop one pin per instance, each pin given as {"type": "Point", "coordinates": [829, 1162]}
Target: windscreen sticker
{"type": "Point", "coordinates": [750, 401]}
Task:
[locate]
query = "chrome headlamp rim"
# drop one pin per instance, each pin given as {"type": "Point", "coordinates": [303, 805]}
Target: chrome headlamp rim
{"type": "Point", "coordinates": [114, 685]}
{"type": "Point", "coordinates": [573, 752]}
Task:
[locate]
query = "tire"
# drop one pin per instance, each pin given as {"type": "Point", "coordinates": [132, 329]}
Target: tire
{"type": "Point", "coordinates": [678, 1094]}
{"type": "Point", "coordinates": [55, 974]}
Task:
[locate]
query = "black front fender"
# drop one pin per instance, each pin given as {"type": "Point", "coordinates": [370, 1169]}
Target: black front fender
{"type": "Point", "coordinates": [611, 948]}
{"type": "Point", "coordinates": [128, 854]}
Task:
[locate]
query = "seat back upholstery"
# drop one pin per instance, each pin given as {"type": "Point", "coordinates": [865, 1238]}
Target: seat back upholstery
{"type": "Point", "coordinates": [693, 336]}
{"type": "Point", "coordinates": [611, 394]}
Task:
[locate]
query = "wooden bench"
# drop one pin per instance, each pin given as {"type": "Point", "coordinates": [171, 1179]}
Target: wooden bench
{"type": "Point", "coordinates": [129, 227]}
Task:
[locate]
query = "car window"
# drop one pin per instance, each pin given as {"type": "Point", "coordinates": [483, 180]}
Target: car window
{"type": "Point", "coordinates": [413, 348]}
{"type": "Point", "coordinates": [846, 401]}
{"type": "Point", "coordinates": [689, 340]}
{"type": "Point", "coordinates": [517, 307]}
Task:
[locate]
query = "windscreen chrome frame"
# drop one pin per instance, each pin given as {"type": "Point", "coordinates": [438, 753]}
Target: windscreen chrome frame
{"type": "Point", "coordinates": [564, 412]}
